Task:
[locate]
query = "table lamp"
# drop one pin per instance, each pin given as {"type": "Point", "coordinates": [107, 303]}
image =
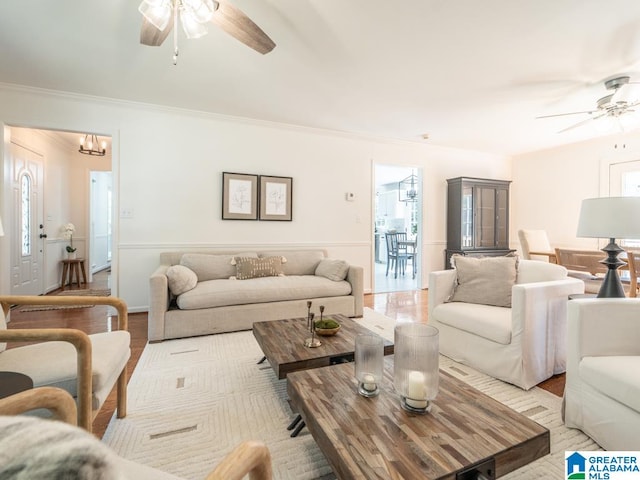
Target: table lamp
{"type": "Point", "coordinates": [610, 217]}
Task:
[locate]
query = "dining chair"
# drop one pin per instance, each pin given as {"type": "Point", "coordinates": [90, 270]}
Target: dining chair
{"type": "Point", "coordinates": [397, 254]}
{"type": "Point", "coordinates": [633, 263]}
{"type": "Point", "coordinates": [406, 251]}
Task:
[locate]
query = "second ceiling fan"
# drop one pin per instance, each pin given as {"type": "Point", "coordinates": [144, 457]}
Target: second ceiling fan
{"type": "Point", "coordinates": [622, 101]}
{"type": "Point", "coordinates": [159, 17]}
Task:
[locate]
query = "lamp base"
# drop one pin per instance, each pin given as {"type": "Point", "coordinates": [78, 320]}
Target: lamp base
{"type": "Point", "coordinates": [611, 285]}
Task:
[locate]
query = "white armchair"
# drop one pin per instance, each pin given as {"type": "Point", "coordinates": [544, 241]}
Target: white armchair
{"type": "Point", "coordinates": [602, 391]}
{"type": "Point", "coordinates": [522, 345]}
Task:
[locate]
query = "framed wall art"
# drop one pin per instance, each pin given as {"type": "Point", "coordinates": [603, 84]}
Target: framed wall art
{"type": "Point", "coordinates": [275, 198]}
{"type": "Point", "coordinates": [239, 196]}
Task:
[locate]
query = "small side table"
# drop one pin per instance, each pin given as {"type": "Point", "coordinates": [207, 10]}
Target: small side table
{"type": "Point", "coordinates": [13, 382]}
{"type": "Point", "coordinates": [576, 296]}
{"type": "Point", "coordinates": [72, 267]}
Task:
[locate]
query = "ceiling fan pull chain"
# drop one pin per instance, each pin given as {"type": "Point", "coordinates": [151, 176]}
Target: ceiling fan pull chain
{"type": "Point", "coordinates": [175, 32]}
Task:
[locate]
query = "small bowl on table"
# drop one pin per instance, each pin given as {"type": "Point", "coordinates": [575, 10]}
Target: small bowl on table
{"type": "Point", "coordinates": [327, 327]}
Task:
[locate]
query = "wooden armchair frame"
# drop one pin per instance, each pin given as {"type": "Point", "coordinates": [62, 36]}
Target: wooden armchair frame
{"type": "Point", "coordinates": [78, 339]}
{"type": "Point", "coordinates": [249, 458]}
{"type": "Point", "coordinates": [58, 401]}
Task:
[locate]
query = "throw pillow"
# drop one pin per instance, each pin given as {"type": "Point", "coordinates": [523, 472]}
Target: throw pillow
{"type": "Point", "coordinates": [486, 280]}
{"type": "Point", "coordinates": [181, 279]}
{"type": "Point", "coordinates": [40, 449]}
{"type": "Point", "coordinates": [211, 266]}
{"type": "Point", "coordinates": [247, 267]}
{"type": "Point", "coordinates": [332, 269]}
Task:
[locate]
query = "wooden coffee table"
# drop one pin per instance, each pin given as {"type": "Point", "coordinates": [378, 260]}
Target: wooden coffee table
{"type": "Point", "coordinates": [282, 342]}
{"type": "Point", "coordinates": [466, 431]}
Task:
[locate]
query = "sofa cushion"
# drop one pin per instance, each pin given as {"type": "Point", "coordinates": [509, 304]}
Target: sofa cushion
{"type": "Point", "coordinates": [617, 377]}
{"type": "Point", "coordinates": [212, 267]}
{"type": "Point", "coordinates": [218, 293]}
{"type": "Point", "coordinates": [247, 267]}
{"type": "Point", "coordinates": [487, 321]}
{"type": "Point", "coordinates": [57, 362]}
{"type": "Point", "coordinates": [299, 262]}
{"type": "Point", "coordinates": [181, 279]}
{"type": "Point", "coordinates": [333, 269]}
{"type": "Point", "coordinates": [530, 271]}
{"type": "Point", "coordinates": [485, 280]}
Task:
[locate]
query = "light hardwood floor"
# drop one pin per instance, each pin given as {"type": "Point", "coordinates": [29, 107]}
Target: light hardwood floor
{"type": "Point", "coordinates": [402, 306]}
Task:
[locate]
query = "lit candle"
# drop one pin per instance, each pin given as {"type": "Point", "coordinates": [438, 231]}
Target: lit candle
{"type": "Point", "coordinates": [369, 382]}
{"type": "Point", "coordinates": [417, 390]}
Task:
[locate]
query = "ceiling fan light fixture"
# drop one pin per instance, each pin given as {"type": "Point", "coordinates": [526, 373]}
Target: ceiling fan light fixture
{"type": "Point", "coordinates": [202, 10]}
{"type": "Point", "coordinates": [191, 26]}
{"type": "Point", "coordinates": [158, 12]}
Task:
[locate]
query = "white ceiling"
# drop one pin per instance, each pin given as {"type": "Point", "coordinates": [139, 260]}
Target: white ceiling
{"type": "Point", "coordinates": [472, 74]}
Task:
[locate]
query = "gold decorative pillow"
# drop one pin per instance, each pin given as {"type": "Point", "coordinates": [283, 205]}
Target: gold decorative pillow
{"type": "Point", "coordinates": [247, 268]}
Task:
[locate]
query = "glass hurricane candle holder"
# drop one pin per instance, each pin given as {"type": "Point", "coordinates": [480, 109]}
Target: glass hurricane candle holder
{"type": "Point", "coordinates": [416, 366]}
{"type": "Point", "coordinates": [369, 354]}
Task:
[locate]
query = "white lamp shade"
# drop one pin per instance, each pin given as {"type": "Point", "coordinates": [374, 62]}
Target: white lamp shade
{"type": "Point", "coordinates": [610, 217]}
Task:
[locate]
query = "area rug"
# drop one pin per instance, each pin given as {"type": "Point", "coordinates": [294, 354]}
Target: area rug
{"type": "Point", "coordinates": [191, 401]}
{"type": "Point", "coordinates": [81, 293]}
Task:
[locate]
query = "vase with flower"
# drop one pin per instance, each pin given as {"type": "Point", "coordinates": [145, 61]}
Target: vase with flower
{"type": "Point", "coordinates": [68, 230]}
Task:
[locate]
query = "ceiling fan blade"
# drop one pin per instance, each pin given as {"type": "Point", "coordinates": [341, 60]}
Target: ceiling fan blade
{"type": "Point", "coordinates": [151, 36]}
{"type": "Point", "coordinates": [242, 28]}
{"type": "Point", "coordinates": [583, 122]}
{"type": "Point", "coordinates": [563, 114]}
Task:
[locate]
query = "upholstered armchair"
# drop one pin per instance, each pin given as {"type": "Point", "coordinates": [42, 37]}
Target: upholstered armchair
{"type": "Point", "coordinates": [536, 241]}
{"type": "Point", "coordinates": [602, 391]}
{"type": "Point", "coordinates": [523, 343]}
{"type": "Point", "coordinates": [87, 366]}
{"type": "Point", "coordinates": [41, 449]}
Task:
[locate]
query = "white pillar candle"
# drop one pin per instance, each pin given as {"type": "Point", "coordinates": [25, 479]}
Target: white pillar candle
{"type": "Point", "coordinates": [369, 382]}
{"type": "Point", "coordinates": [416, 390]}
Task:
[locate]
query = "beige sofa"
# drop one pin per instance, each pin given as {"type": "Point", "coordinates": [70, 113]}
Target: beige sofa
{"type": "Point", "coordinates": [219, 303]}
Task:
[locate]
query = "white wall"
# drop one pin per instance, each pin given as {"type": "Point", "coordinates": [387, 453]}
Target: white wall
{"type": "Point", "coordinates": [167, 171]}
{"type": "Point", "coordinates": [549, 186]}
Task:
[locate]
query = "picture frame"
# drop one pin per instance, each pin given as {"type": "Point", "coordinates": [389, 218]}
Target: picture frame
{"type": "Point", "coordinates": [276, 195]}
{"type": "Point", "coordinates": [239, 196]}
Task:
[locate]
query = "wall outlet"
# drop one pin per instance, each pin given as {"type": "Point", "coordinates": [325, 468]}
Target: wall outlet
{"type": "Point", "coordinates": [126, 213]}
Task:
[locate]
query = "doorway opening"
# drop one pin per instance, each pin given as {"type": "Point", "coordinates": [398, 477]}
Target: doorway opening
{"type": "Point", "coordinates": [397, 223]}
{"type": "Point", "coordinates": [59, 194]}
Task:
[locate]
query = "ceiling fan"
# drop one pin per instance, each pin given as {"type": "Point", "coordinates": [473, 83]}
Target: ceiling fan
{"type": "Point", "coordinates": [159, 17]}
{"type": "Point", "coordinates": [614, 105]}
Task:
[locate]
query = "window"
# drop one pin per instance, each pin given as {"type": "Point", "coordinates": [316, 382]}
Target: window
{"type": "Point", "coordinates": [25, 227]}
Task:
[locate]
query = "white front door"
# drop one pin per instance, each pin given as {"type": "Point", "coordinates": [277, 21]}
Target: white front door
{"type": "Point", "coordinates": [26, 230]}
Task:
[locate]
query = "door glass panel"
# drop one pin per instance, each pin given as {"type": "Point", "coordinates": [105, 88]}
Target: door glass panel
{"type": "Point", "coordinates": [25, 187]}
{"type": "Point", "coordinates": [467, 217]}
{"type": "Point", "coordinates": [486, 221]}
{"type": "Point", "coordinates": [501, 218]}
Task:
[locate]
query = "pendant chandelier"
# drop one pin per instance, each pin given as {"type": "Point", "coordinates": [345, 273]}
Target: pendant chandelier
{"type": "Point", "coordinates": [89, 145]}
{"type": "Point", "coordinates": [408, 189]}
